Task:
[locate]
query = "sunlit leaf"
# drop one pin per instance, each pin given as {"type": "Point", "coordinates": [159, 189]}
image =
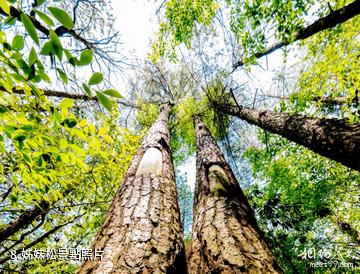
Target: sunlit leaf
{"type": "Point", "coordinates": [32, 57]}
{"type": "Point", "coordinates": [45, 18]}
{"type": "Point", "coordinates": [96, 78]}
{"type": "Point", "coordinates": [86, 89]}
{"type": "Point", "coordinates": [30, 28]}
{"type": "Point", "coordinates": [86, 57]}
{"type": "Point", "coordinates": [56, 44]}
{"type": "Point", "coordinates": [62, 17]}
{"type": "Point", "coordinates": [17, 42]}
{"type": "Point", "coordinates": [104, 100]}
{"type": "Point", "coordinates": [5, 6]}
{"type": "Point", "coordinates": [112, 93]}
{"type": "Point", "coordinates": [63, 76]}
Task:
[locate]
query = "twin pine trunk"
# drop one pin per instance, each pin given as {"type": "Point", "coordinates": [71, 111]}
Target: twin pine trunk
{"type": "Point", "coordinates": [142, 232]}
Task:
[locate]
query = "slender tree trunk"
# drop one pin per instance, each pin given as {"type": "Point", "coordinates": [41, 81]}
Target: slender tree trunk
{"type": "Point", "coordinates": [226, 238]}
{"type": "Point", "coordinates": [332, 138]}
{"type": "Point", "coordinates": [142, 232]}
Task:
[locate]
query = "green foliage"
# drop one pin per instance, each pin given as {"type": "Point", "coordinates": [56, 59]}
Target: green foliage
{"type": "Point", "coordinates": [46, 150]}
{"type": "Point", "coordinates": [18, 42]}
{"type": "Point", "coordinates": [146, 114]}
{"type": "Point", "coordinates": [332, 70]}
{"type": "Point", "coordinates": [49, 152]}
{"type": "Point", "coordinates": [183, 132]}
{"type": "Point", "coordinates": [301, 203]}
{"type": "Point", "coordinates": [248, 18]}
{"type": "Point", "coordinates": [34, 71]}
{"type": "Point", "coordinates": [249, 21]}
{"type": "Point", "coordinates": [181, 17]}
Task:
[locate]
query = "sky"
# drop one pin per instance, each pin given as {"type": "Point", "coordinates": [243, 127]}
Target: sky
{"type": "Point", "coordinates": [137, 22]}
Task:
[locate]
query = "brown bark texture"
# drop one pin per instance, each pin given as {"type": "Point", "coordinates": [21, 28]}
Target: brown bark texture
{"type": "Point", "coordinates": [331, 20]}
{"type": "Point", "coordinates": [336, 139]}
{"type": "Point", "coordinates": [226, 238]}
{"type": "Point", "coordinates": [142, 232]}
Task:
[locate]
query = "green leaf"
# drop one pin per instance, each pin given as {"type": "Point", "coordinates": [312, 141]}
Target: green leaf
{"type": "Point", "coordinates": [112, 93]}
{"type": "Point", "coordinates": [86, 57]}
{"type": "Point", "coordinates": [63, 76]}
{"type": "Point", "coordinates": [29, 26]}
{"type": "Point", "coordinates": [56, 44]}
{"type": "Point", "coordinates": [34, 90]}
{"type": "Point", "coordinates": [40, 2]}
{"type": "Point", "coordinates": [62, 17]}
{"type": "Point", "coordinates": [96, 78]}
{"type": "Point", "coordinates": [44, 17]}
{"type": "Point", "coordinates": [43, 75]}
{"type": "Point", "coordinates": [10, 20]}
{"type": "Point", "coordinates": [87, 89]}
{"type": "Point", "coordinates": [104, 100]}
{"type": "Point", "coordinates": [32, 57]}
{"type": "Point", "coordinates": [69, 122]}
{"type": "Point", "coordinates": [66, 103]}
{"type": "Point", "coordinates": [5, 6]}
{"type": "Point", "coordinates": [47, 48]}
{"type": "Point", "coordinates": [71, 59]}
{"type": "Point", "coordinates": [18, 42]}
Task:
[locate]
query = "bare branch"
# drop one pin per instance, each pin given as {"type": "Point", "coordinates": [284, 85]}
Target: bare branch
{"type": "Point", "coordinates": [62, 94]}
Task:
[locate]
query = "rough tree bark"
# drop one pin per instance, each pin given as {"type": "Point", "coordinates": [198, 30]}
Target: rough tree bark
{"type": "Point", "coordinates": [331, 20]}
{"type": "Point", "coordinates": [226, 238]}
{"type": "Point", "coordinates": [332, 138]}
{"type": "Point", "coordinates": [142, 232]}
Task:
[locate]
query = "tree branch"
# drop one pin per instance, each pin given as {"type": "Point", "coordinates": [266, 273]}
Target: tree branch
{"type": "Point", "coordinates": [331, 20]}
{"type": "Point", "coordinates": [43, 237]}
{"type": "Point", "coordinates": [62, 94]}
{"type": "Point", "coordinates": [60, 31]}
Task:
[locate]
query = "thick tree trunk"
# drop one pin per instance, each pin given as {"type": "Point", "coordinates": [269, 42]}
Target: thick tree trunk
{"type": "Point", "coordinates": [226, 238]}
{"type": "Point", "coordinates": [142, 232]}
{"type": "Point", "coordinates": [331, 20]}
{"type": "Point", "coordinates": [332, 138]}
